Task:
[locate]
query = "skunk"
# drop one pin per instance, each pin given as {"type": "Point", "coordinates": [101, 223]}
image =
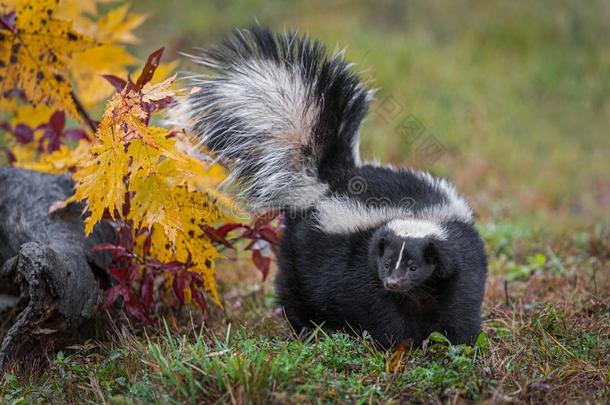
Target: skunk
{"type": "Point", "coordinates": [366, 247]}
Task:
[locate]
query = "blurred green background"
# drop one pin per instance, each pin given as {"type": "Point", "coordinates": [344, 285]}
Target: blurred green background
{"type": "Point", "coordinates": [510, 99]}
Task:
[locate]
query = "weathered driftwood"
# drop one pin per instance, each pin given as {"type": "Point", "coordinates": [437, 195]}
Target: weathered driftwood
{"type": "Point", "coordinates": [47, 280]}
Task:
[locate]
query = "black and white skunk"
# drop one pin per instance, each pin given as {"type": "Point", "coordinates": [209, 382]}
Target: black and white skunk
{"type": "Point", "coordinates": [366, 247]}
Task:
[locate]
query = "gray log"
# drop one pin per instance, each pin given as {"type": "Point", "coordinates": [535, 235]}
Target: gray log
{"type": "Point", "coordinates": [47, 276]}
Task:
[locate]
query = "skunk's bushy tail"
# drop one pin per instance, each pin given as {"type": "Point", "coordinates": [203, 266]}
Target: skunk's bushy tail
{"type": "Point", "coordinates": [280, 111]}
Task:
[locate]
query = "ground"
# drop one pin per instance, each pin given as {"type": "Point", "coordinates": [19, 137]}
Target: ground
{"type": "Point", "coordinates": [511, 101]}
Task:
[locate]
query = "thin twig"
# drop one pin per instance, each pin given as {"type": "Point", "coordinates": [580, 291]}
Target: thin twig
{"type": "Point", "coordinates": [83, 113]}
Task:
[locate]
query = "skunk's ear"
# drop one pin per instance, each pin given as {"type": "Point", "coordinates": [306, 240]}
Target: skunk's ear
{"type": "Point", "coordinates": [437, 254]}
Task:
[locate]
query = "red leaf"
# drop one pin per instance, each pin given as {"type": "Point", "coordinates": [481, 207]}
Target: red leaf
{"type": "Point", "coordinates": [111, 295]}
{"type": "Point", "coordinates": [120, 275]}
{"type": "Point", "coordinates": [163, 103]}
{"type": "Point", "coordinates": [261, 262]}
{"type": "Point", "coordinates": [125, 237]}
{"type": "Point", "coordinates": [23, 133]}
{"type": "Point", "coordinates": [54, 142]}
{"type": "Point", "coordinates": [269, 234]}
{"type": "Point", "coordinates": [199, 299]}
{"type": "Point", "coordinates": [118, 83]}
{"type": "Point", "coordinates": [189, 262]}
{"type": "Point", "coordinates": [101, 247]}
{"type": "Point", "coordinates": [158, 105]}
{"type": "Point", "coordinates": [147, 289]}
{"type": "Point", "coordinates": [172, 267]}
{"type": "Point", "coordinates": [117, 252]}
{"type": "Point", "coordinates": [58, 121]}
{"type": "Point", "coordinates": [197, 279]}
{"type": "Point", "coordinates": [153, 61]}
{"type": "Point", "coordinates": [181, 282]}
{"type": "Point", "coordinates": [178, 292]}
{"type": "Point", "coordinates": [132, 307]}
{"type": "Point", "coordinates": [52, 137]}
{"type": "Point", "coordinates": [132, 272]}
{"type": "Point", "coordinates": [214, 236]}
{"type": "Point", "coordinates": [147, 244]}
{"type": "Point", "coordinates": [226, 228]}
{"type": "Point", "coordinates": [76, 134]}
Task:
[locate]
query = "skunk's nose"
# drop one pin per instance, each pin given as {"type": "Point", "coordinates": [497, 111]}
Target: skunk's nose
{"type": "Point", "coordinates": [391, 284]}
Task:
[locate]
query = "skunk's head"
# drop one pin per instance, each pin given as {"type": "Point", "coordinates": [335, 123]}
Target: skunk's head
{"type": "Point", "coordinates": [409, 254]}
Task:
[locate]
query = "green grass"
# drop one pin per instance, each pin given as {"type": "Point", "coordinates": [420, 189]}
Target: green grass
{"type": "Point", "coordinates": [518, 96]}
{"type": "Point", "coordinates": [253, 369]}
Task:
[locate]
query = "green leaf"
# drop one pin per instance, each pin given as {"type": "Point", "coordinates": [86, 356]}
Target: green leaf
{"type": "Point", "coordinates": [438, 337]}
{"type": "Point", "coordinates": [538, 260]}
{"type": "Point", "coordinates": [481, 341]}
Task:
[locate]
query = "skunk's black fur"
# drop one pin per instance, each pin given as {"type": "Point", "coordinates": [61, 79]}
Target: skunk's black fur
{"type": "Point", "coordinates": [366, 247]}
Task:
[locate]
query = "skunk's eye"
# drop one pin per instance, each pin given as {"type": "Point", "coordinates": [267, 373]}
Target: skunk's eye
{"type": "Point", "coordinates": [381, 246]}
{"type": "Point", "coordinates": [412, 267]}
{"type": "Point", "coordinates": [386, 265]}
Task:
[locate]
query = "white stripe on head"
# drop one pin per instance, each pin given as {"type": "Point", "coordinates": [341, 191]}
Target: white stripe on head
{"type": "Point", "coordinates": [402, 248]}
{"type": "Point", "coordinates": [416, 228]}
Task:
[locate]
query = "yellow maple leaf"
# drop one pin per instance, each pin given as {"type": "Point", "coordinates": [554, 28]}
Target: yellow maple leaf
{"type": "Point", "coordinates": [33, 57]}
{"type": "Point", "coordinates": [24, 153]}
{"type": "Point", "coordinates": [111, 30]}
{"type": "Point", "coordinates": [77, 11]}
{"type": "Point", "coordinates": [117, 25]}
{"type": "Point", "coordinates": [100, 50]}
{"type": "Point", "coordinates": [82, 13]}
{"type": "Point", "coordinates": [157, 168]}
{"type": "Point", "coordinates": [7, 105]}
{"type": "Point", "coordinates": [125, 116]}
{"type": "Point", "coordinates": [60, 161]}
{"type": "Point", "coordinates": [99, 179]}
{"type": "Point", "coordinates": [31, 115]}
{"type": "Point", "coordinates": [152, 200]}
{"type": "Point", "coordinates": [88, 67]}
{"type": "Point", "coordinates": [146, 156]}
